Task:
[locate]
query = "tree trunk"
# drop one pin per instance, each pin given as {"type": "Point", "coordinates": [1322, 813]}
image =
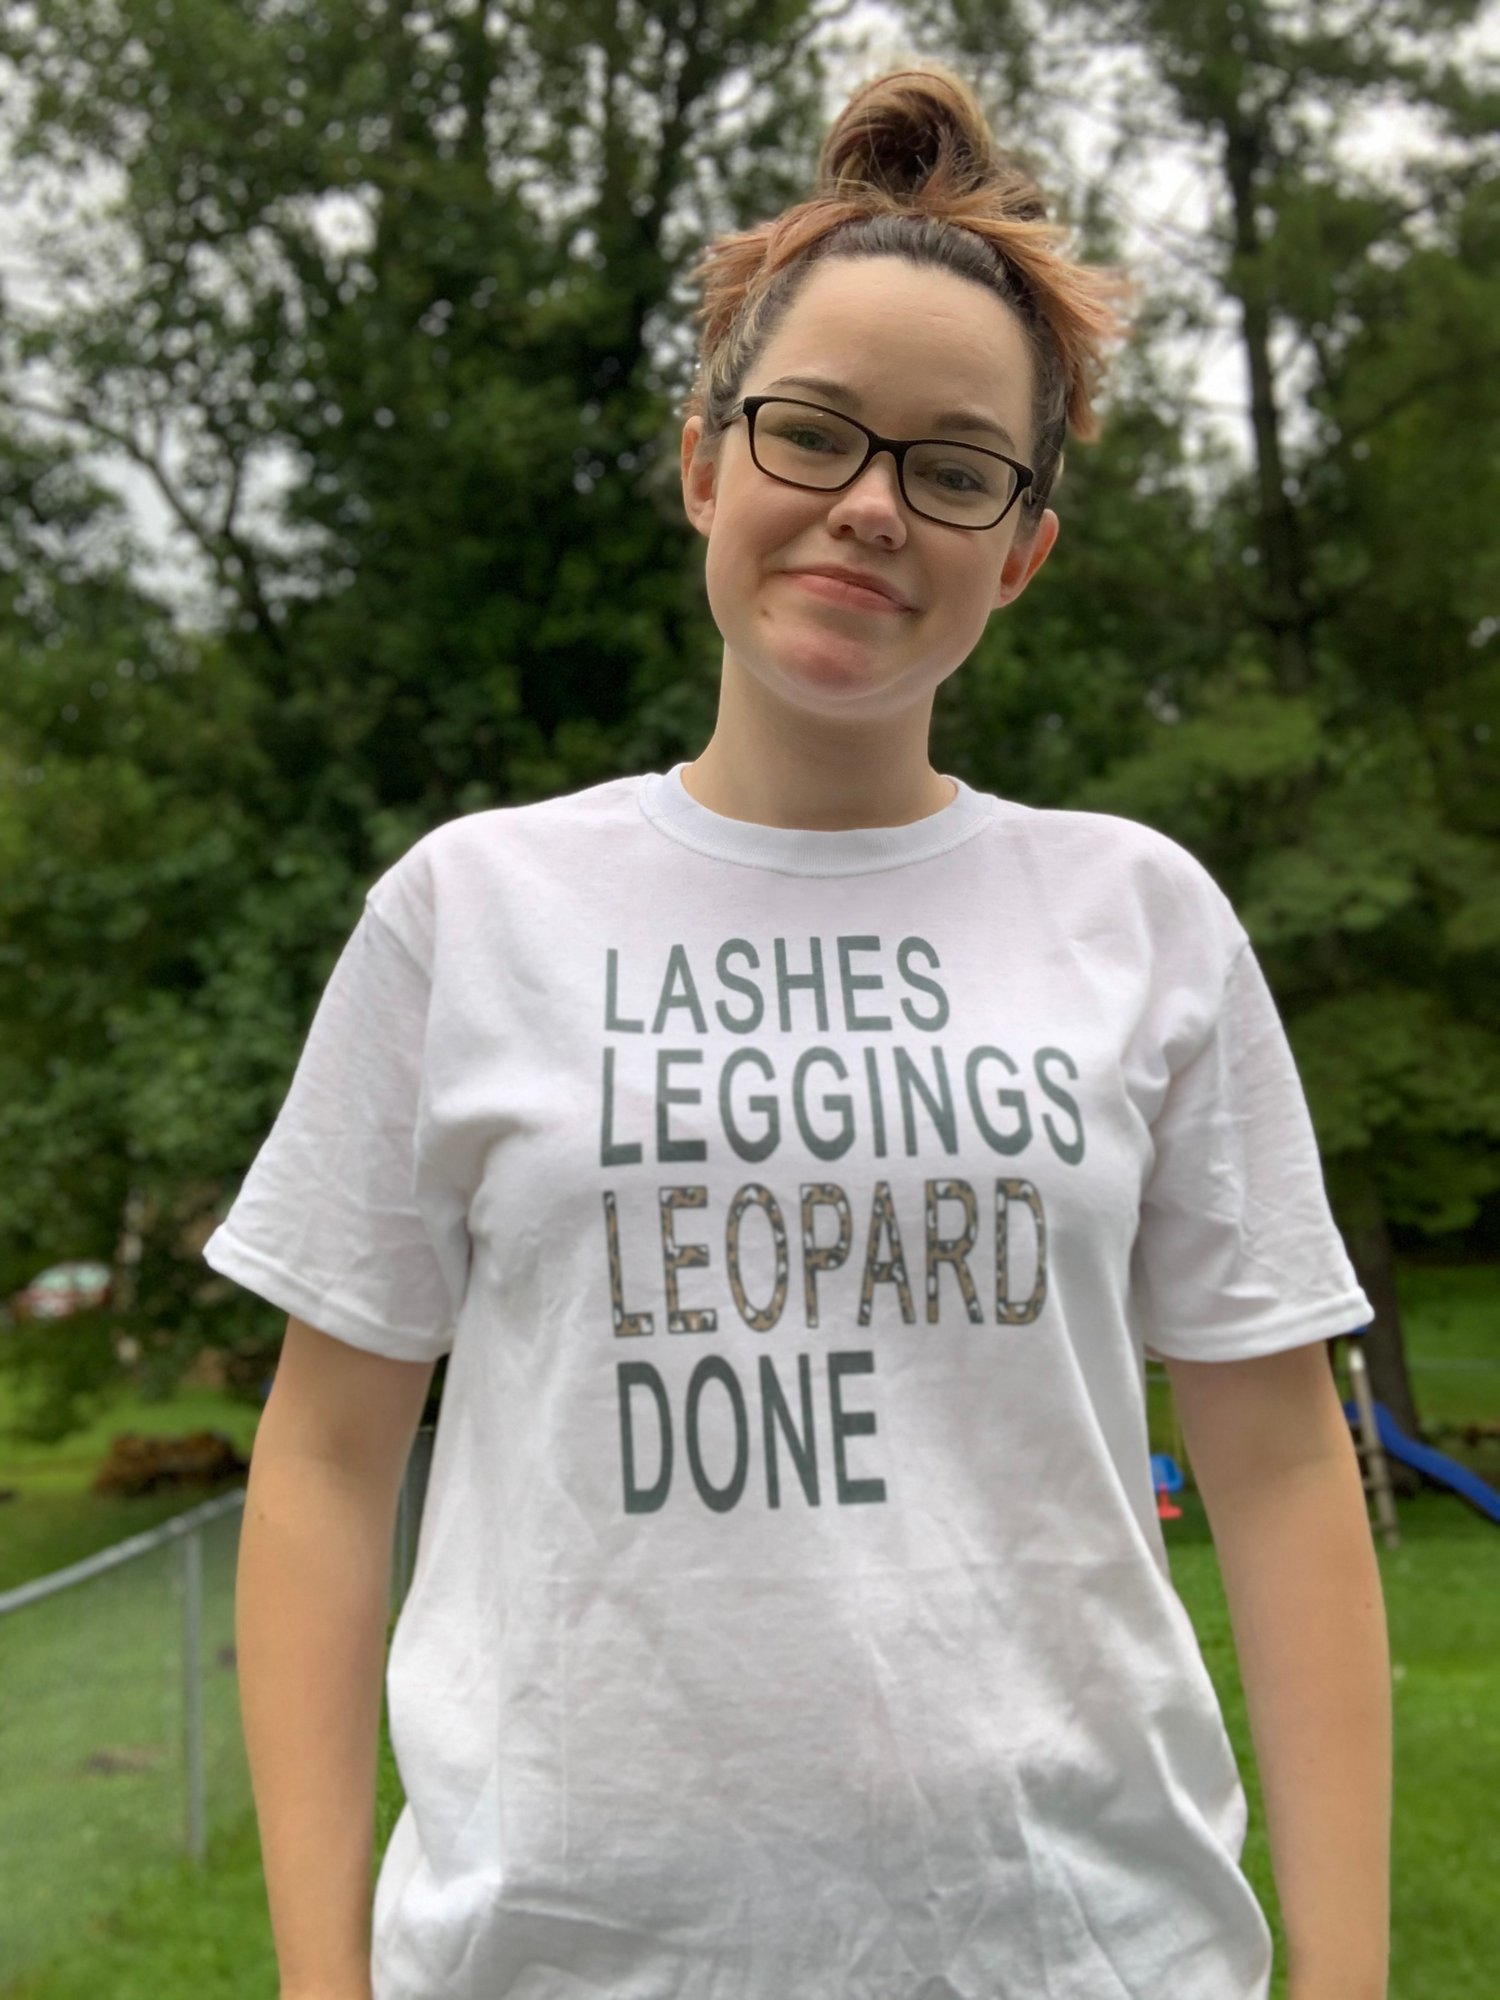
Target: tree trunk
{"type": "Point", "coordinates": [1284, 607]}
{"type": "Point", "coordinates": [1361, 1214]}
{"type": "Point", "coordinates": [127, 1257]}
{"type": "Point", "coordinates": [1384, 1349]}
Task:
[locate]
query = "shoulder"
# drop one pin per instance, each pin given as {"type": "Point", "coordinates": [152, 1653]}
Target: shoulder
{"type": "Point", "coordinates": [498, 831]}
{"type": "Point", "coordinates": [455, 867]}
{"type": "Point", "coordinates": [1103, 859]}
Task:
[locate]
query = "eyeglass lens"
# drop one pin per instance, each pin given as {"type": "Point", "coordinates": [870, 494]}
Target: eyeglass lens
{"type": "Point", "coordinates": [951, 482]}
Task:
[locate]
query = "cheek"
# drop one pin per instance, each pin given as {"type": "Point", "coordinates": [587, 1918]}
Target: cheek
{"type": "Point", "coordinates": [966, 591]}
{"type": "Point", "coordinates": [965, 611]}
{"type": "Point", "coordinates": [746, 545]}
{"type": "Point", "coordinates": [732, 579]}
{"type": "Point", "coordinates": [723, 576]}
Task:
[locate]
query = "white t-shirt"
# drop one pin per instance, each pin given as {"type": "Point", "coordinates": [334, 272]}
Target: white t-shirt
{"type": "Point", "coordinates": [791, 1618]}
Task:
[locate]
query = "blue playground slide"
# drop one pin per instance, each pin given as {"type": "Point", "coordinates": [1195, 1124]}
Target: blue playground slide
{"type": "Point", "coordinates": [1436, 1465]}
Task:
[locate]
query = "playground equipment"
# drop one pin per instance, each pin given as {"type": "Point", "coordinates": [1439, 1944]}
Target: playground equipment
{"type": "Point", "coordinates": [1434, 1465]}
{"type": "Point", "coordinates": [1360, 1410]}
{"type": "Point", "coordinates": [1166, 1477]}
{"type": "Point", "coordinates": [1378, 1438]}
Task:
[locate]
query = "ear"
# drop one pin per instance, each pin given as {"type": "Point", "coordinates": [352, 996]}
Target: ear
{"type": "Point", "coordinates": [699, 475]}
{"type": "Point", "coordinates": [1025, 558]}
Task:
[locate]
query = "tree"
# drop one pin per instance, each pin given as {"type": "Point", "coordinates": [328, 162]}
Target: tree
{"type": "Point", "coordinates": [120, 761]}
{"type": "Point", "coordinates": [478, 587]}
{"type": "Point", "coordinates": [1339, 796]}
{"type": "Point", "coordinates": [470, 592]}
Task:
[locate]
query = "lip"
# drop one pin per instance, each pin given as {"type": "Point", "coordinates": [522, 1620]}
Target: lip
{"type": "Point", "coordinates": [856, 590]}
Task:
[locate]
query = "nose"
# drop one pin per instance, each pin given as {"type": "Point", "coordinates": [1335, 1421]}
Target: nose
{"type": "Point", "coordinates": [873, 501]}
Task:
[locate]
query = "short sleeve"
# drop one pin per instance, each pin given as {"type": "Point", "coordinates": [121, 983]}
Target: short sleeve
{"type": "Point", "coordinates": [334, 1222]}
{"type": "Point", "coordinates": [1237, 1253]}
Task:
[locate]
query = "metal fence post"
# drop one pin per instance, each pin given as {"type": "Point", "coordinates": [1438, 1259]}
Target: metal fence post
{"type": "Point", "coordinates": [409, 1507]}
{"type": "Point", "coordinates": [90, 1793]}
{"type": "Point", "coordinates": [192, 1687]}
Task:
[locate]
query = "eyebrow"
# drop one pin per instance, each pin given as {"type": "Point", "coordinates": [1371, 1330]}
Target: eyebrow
{"type": "Point", "coordinates": [950, 420]}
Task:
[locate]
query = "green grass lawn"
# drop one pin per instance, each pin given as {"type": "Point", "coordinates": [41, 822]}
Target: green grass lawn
{"type": "Point", "coordinates": [1453, 1354]}
{"type": "Point", "coordinates": [55, 1520]}
{"type": "Point", "coordinates": [175, 1929]}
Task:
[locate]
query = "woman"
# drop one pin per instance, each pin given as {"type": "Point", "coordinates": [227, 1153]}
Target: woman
{"type": "Point", "coordinates": [795, 1154]}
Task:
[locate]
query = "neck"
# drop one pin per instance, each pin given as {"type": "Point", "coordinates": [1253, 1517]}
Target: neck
{"type": "Point", "coordinates": [809, 771]}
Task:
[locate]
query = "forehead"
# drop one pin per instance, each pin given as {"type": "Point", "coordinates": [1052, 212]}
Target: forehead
{"type": "Point", "coordinates": [908, 340]}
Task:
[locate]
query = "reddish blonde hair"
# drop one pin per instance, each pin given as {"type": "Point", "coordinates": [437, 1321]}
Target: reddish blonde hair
{"type": "Point", "coordinates": [911, 169]}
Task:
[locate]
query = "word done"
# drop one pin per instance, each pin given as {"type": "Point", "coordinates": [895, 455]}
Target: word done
{"type": "Point", "coordinates": [716, 1409]}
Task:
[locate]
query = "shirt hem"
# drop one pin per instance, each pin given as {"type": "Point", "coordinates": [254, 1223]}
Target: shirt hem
{"type": "Point", "coordinates": [1348, 1313]}
{"type": "Point", "coordinates": [232, 1258]}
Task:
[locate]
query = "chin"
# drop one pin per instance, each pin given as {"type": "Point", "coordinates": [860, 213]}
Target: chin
{"type": "Point", "coordinates": [831, 680]}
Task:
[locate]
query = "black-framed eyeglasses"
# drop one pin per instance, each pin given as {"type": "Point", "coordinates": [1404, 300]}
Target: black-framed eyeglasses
{"type": "Point", "coordinates": [962, 485]}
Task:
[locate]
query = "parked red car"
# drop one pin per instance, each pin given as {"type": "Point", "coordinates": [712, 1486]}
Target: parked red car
{"type": "Point", "coordinates": [63, 1289]}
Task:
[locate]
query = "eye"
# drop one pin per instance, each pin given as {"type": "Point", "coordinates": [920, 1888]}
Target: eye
{"type": "Point", "coordinates": [958, 475]}
{"type": "Point", "coordinates": [798, 433]}
{"type": "Point", "coordinates": [961, 479]}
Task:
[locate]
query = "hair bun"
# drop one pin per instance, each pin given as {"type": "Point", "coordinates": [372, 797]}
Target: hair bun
{"type": "Point", "coordinates": [919, 138]}
{"type": "Point", "coordinates": [910, 168]}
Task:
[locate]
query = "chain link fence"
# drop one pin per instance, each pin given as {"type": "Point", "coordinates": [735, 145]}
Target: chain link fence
{"type": "Point", "coordinates": [120, 1732]}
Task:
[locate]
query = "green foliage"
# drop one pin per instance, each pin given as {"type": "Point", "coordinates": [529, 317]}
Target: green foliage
{"type": "Point", "coordinates": [1241, 741]}
{"type": "Point", "coordinates": [1393, 1070]}
{"type": "Point", "coordinates": [481, 589]}
{"type": "Point", "coordinates": [1329, 748]}
{"type": "Point", "coordinates": [1122, 621]}
{"type": "Point", "coordinates": [477, 561]}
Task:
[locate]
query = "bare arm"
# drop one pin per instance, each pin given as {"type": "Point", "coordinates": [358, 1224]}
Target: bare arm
{"type": "Point", "coordinates": [1276, 1466]}
{"type": "Point", "coordinates": [311, 1606]}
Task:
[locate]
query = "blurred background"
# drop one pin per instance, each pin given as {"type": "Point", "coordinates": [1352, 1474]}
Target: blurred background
{"type": "Point", "coordinates": [339, 496]}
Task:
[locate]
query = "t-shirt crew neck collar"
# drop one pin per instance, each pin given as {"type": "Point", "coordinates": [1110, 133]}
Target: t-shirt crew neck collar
{"type": "Point", "coordinates": [857, 850]}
